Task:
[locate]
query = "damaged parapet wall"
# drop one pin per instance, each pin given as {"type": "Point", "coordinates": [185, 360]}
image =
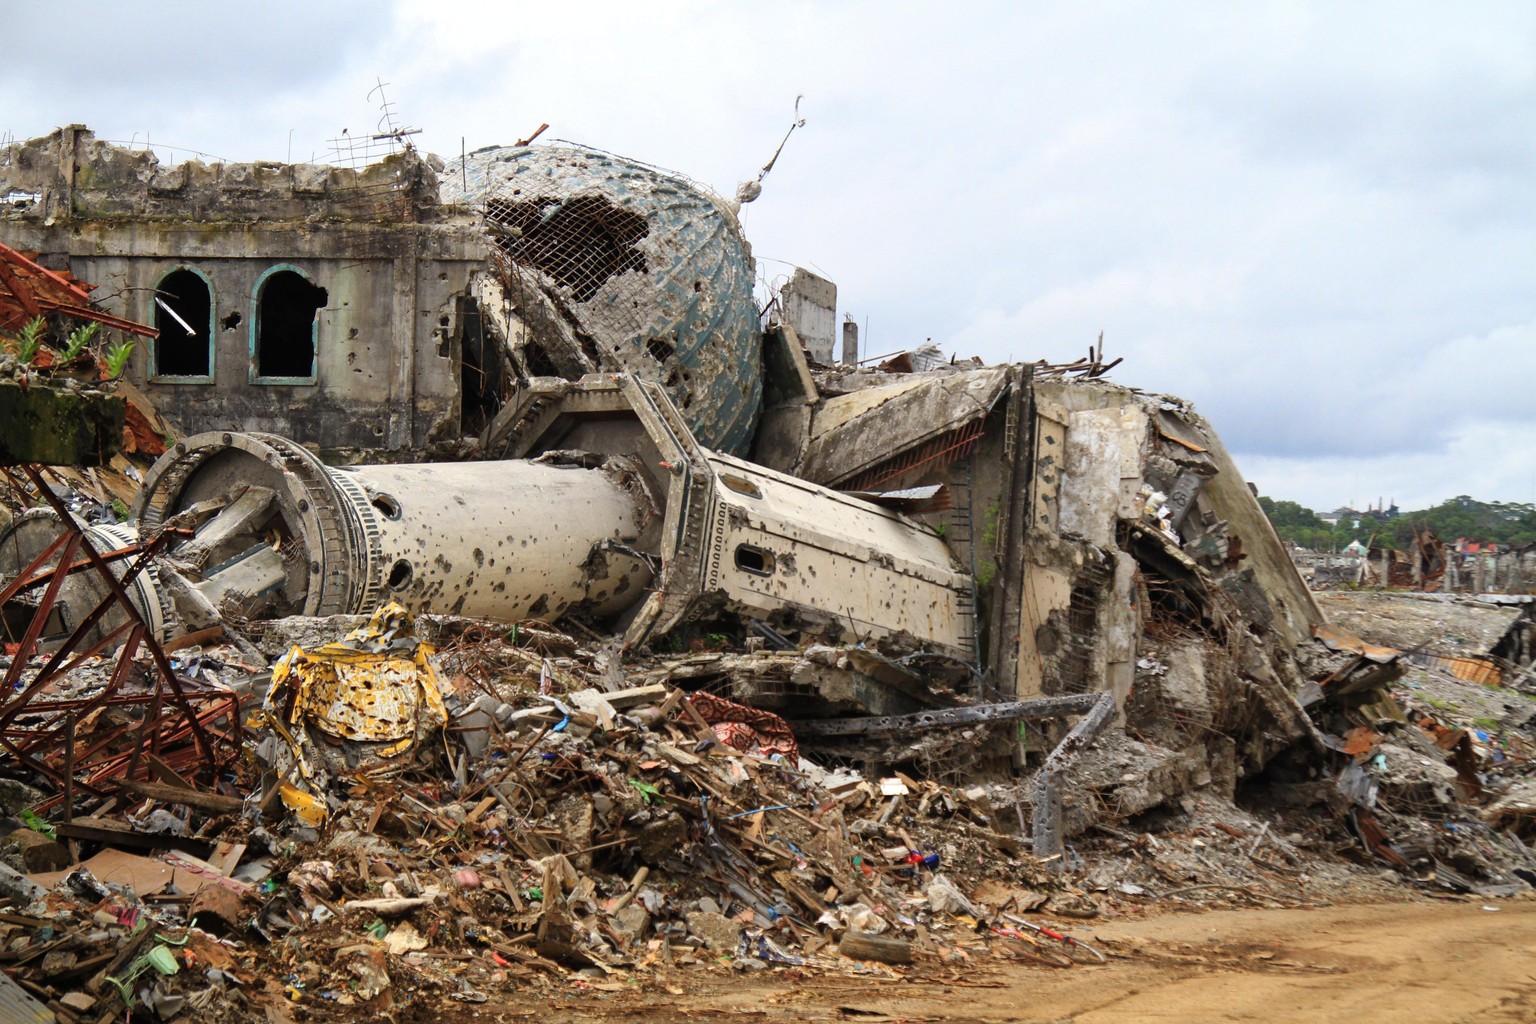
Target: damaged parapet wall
{"type": "Point", "coordinates": [608, 265]}
{"type": "Point", "coordinates": [316, 302]}
{"type": "Point", "coordinates": [1114, 544]}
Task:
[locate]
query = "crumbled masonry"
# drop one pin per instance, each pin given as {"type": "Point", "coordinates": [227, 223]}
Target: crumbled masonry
{"type": "Point", "coordinates": [584, 629]}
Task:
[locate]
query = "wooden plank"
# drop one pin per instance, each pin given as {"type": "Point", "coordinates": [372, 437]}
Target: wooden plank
{"type": "Point", "coordinates": [214, 803]}
{"type": "Point", "coordinates": [226, 857]}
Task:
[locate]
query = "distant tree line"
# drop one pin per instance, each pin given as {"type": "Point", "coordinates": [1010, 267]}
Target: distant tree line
{"type": "Point", "coordinates": [1497, 522]}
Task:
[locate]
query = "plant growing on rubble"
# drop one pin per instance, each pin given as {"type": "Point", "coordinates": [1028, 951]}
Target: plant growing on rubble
{"type": "Point", "coordinates": [30, 340]}
{"type": "Point", "coordinates": [79, 338]}
{"type": "Point", "coordinates": [117, 360]}
{"type": "Point", "coordinates": [649, 792]}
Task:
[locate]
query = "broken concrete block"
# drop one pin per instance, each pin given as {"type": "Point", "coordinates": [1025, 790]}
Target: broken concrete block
{"type": "Point", "coordinates": [631, 923]}
{"type": "Point", "coordinates": [716, 931]}
{"type": "Point", "coordinates": [77, 1001]}
{"type": "Point", "coordinates": [57, 427]}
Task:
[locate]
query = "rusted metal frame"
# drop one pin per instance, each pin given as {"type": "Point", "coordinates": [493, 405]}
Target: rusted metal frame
{"type": "Point", "coordinates": [35, 627]}
{"type": "Point", "coordinates": [21, 582]}
{"type": "Point", "coordinates": [18, 485]}
{"type": "Point", "coordinates": [167, 742]}
{"type": "Point", "coordinates": [110, 767]}
{"type": "Point", "coordinates": [956, 445]}
{"type": "Point", "coordinates": [89, 622]}
{"type": "Point", "coordinates": [42, 767]}
{"type": "Point", "coordinates": [155, 651]}
{"type": "Point", "coordinates": [43, 737]}
{"type": "Point", "coordinates": [23, 296]}
{"type": "Point", "coordinates": [105, 319]}
{"type": "Point", "coordinates": [95, 649]}
{"type": "Point", "coordinates": [50, 669]}
{"type": "Point", "coordinates": [86, 704]}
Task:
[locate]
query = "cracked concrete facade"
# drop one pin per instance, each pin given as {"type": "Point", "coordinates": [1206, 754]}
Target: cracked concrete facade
{"type": "Point", "coordinates": [382, 369]}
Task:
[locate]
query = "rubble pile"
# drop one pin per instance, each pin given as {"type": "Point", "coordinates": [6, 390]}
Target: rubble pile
{"type": "Point", "coordinates": [522, 809]}
{"type": "Point", "coordinates": [519, 827]}
{"type": "Point", "coordinates": [751, 663]}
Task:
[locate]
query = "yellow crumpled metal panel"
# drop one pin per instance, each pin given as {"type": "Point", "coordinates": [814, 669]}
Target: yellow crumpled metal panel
{"type": "Point", "coordinates": [375, 685]}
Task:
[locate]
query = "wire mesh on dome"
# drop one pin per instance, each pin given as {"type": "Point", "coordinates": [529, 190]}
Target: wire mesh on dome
{"type": "Point", "coordinates": [613, 266]}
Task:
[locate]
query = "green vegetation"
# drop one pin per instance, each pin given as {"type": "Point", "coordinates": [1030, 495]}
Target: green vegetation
{"type": "Point", "coordinates": [30, 340]}
{"type": "Point", "coordinates": [79, 338]}
{"type": "Point", "coordinates": [1498, 522]}
{"type": "Point", "coordinates": [117, 359]}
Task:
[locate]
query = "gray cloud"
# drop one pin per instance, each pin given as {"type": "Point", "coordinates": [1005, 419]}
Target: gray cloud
{"type": "Point", "coordinates": [1314, 221]}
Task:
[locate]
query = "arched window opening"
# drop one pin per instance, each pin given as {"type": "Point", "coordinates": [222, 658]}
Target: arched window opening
{"type": "Point", "coordinates": [286, 307]}
{"type": "Point", "coordinates": [184, 318]}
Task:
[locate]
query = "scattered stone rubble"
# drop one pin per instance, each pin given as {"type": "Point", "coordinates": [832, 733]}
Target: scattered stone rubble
{"type": "Point", "coordinates": [546, 823]}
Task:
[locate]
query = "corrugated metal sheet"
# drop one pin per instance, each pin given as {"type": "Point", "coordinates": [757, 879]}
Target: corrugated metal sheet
{"type": "Point", "coordinates": [17, 1007]}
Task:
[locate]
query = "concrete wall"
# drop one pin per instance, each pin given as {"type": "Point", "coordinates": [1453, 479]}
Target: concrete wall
{"type": "Point", "coordinates": [392, 263]}
{"type": "Point", "coordinates": [809, 305]}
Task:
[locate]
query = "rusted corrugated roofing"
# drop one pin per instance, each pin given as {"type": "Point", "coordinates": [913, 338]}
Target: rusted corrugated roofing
{"type": "Point", "coordinates": [28, 289]}
{"type": "Point", "coordinates": [1337, 639]}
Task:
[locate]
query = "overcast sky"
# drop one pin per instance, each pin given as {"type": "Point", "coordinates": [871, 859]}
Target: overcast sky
{"type": "Point", "coordinates": [1317, 221]}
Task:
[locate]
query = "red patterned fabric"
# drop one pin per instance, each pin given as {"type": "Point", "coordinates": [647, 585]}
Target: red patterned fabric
{"type": "Point", "coordinates": [749, 730]}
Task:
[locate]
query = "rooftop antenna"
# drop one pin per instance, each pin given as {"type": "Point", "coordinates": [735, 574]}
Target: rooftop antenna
{"type": "Point", "coordinates": [750, 190]}
{"type": "Point", "coordinates": [389, 136]}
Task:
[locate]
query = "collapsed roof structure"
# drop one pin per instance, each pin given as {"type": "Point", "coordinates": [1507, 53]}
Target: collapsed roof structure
{"type": "Point", "coordinates": [537, 386]}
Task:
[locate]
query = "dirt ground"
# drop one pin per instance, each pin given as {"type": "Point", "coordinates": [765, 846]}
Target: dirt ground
{"type": "Point", "coordinates": [1425, 963]}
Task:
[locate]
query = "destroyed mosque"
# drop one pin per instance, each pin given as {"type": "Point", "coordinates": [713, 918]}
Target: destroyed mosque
{"type": "Point", "coordinates": [529, 409]}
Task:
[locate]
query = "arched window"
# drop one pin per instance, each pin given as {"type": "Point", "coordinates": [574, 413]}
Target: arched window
{"type": "Point", "coordinates": [284, 327]}
{"type": "Point", "coordinates": [183, 352]}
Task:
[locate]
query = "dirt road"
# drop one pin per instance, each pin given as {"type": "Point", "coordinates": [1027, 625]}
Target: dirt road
{"type": "Point", "coordinates": [1417, 963]}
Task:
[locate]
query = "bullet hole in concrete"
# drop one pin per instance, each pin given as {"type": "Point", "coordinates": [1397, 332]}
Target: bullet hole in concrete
{"type": "Point", "coordinates": [387, 504]}
{"type": "Point", "coordinates": [400, 575]}
{"type": "Point", "coordinates": [351, 333]}
{"type": "Point", "coordinates": [285, 325]}
{"type": "Point", "coordinates": [230, 322]}
{"type": "Point", "coordinates": [183, 310]}
{"type": "Point", "coordinates": [580, 242]}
